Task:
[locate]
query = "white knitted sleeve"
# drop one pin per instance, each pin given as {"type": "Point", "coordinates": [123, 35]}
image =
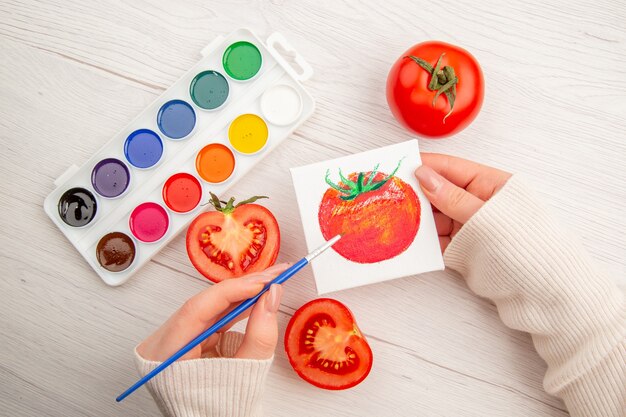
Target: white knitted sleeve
{"type": "Point", "coordinates": [542, 282]}
{"type": "Point", "coordinates": [220, 386]}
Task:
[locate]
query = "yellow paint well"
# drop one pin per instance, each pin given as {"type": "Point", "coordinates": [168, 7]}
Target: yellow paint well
{"type": "Point", "coordinates": [248, 133]}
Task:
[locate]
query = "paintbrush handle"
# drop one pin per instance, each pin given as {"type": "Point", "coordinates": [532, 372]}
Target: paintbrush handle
{"type": "Point", "coordinates": [288, 273]}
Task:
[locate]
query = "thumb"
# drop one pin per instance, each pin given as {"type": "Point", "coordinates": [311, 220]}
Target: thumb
{"type": "Point", "coordinates": [261, 335]}
{"type": "Point", "coordinates": [451, 200]}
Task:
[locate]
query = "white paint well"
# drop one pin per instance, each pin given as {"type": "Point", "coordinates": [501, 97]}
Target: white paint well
{"type": "Point", "coordinates": [281, 105]}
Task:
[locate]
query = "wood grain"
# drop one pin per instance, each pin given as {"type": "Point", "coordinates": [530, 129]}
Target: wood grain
{"type": "Point", "coordinates": [73, 73]}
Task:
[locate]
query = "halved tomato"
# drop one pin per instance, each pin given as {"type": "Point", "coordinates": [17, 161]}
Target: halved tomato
{"type": "Point", "coordinates": [325, 346]}
{"type": "Point", "coordinates": [233, 240]}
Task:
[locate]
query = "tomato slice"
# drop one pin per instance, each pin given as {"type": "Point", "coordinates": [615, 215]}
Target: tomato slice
{"type": "Point", "coordinates": [222, 246]}
{"type": "Point", "coordinates": [325, 346]}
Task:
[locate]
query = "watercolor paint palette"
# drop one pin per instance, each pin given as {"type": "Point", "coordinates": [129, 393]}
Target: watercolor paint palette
{"type": "Point", "coordinates": [201, 135]}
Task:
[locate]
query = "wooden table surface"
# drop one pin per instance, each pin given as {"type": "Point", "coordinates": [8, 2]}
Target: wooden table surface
{"type": "Point", "coordinates": [73, 73]}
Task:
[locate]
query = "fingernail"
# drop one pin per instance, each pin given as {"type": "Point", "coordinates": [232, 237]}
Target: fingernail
{"type": "Point", "coordinates": [272, 302]}
{"type": "Point", "coordinates": [428, 178]}
{"type": "Point", "coordinates": [258, 278]}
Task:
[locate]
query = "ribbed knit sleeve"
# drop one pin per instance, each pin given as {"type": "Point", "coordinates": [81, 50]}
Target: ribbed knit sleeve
{"type": "Point", "coordinates": [220, 386]}
{"type": "Point", "coordinates": [516, 254]}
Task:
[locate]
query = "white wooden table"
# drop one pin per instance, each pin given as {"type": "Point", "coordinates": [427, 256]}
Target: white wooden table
{"type": "Point", "coordinates": [72, 73]}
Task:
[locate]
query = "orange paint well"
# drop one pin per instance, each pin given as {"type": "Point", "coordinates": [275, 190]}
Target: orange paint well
{"type": "Point", "coordinates": [215, 163]}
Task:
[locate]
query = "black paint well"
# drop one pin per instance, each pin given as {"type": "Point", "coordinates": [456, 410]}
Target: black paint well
{"type": "Point", "coordinates": [77, 207]}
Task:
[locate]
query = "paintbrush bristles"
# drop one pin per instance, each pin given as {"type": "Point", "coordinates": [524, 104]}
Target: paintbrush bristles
{"type": "Point", "coordinates": [322, 248]}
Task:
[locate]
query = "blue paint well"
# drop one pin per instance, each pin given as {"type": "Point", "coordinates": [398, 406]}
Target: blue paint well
{"type": "Point", "coordinates": [176, 119]}
{"type": "Point", "coordinates": [143, 148]}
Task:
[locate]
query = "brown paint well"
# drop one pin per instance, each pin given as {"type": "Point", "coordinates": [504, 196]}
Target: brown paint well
{"type": "Point", "coordinates": [115, 251]}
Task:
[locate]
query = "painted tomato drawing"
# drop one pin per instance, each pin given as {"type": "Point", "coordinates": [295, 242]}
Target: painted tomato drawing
{"type": "Point", "coordinates": [378, 215]}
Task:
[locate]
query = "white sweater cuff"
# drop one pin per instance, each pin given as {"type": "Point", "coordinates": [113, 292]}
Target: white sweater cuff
{"type": "Point", "coordinates": [218, 387]}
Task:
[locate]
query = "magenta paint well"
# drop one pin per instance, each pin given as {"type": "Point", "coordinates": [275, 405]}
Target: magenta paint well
{"type": "Point", "coordinates": [149, 222]}
{"type": "Point", "coordinates": [110, 177]}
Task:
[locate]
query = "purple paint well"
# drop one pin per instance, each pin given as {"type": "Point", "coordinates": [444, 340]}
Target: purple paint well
{"type": "Point", "coordinates": [110, 177]}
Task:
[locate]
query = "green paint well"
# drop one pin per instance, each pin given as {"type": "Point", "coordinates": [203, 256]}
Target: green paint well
{"type": "Point", "coordinates": [209, 89]}
{"type": "Point", "coordinates": [242, 60]}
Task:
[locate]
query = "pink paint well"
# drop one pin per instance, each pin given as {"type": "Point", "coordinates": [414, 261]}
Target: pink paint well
{"type": "Point", "coordinates": [149, 222]}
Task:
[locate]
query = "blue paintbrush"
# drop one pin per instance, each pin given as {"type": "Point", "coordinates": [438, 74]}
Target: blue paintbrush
{"type": "Point", "coordinates": [288, 273]}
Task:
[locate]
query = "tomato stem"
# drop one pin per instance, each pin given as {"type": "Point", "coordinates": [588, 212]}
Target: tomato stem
{"type": "Point", "coordinates": [352, 189]}
{"type": "Point", "coordinates": [442, 80]}
{"type": "Point", "coordinates": [229, 206]}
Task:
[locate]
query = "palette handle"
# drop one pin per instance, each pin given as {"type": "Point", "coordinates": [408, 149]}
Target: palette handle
{"type": "Point", "coordinates": [277, 38]}
{"type": "Point", "coordinates": [207, 49]}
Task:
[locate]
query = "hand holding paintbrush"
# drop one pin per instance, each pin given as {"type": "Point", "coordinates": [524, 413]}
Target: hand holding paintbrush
{"type": "Point", "coordinates": [226, 297]}
{"type": "Point", "coordinates": [205, 308]}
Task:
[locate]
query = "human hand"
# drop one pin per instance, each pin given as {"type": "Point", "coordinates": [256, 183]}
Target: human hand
{"type": "Point", "coordinates": [208, 306]}
{"type": "Point", "coordinates": [457, 189]}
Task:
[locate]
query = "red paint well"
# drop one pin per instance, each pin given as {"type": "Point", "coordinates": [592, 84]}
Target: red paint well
{"type": "Point", "coordinates": [182, 192]}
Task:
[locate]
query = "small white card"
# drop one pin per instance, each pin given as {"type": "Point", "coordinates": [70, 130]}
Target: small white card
{"type": "Point", "coordinates": [374, 201]}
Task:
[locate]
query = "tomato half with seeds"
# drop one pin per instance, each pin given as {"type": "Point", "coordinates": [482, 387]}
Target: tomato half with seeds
{"type": "Point", "coordinates": [325, 346]}
{"type": "Point", "coordinates": [233, 240]}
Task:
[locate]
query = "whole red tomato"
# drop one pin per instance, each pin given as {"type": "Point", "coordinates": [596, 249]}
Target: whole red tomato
{"type": "Point", "coordinates": [435, 89]}
{"type": "Point", "coordinates": [233, 240]}
{"type": "Point", "coordinates": [378, 216]}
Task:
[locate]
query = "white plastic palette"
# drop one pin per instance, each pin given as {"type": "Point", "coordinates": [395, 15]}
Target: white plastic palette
{"type": "Point", "coordinates": [274, 93]}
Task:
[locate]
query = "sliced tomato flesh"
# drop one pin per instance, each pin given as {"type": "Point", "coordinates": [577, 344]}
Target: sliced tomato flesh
{"type": "Point", "coordinates": [246, 243]}
{"type": "Point", "coordinates": [326, 347]}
